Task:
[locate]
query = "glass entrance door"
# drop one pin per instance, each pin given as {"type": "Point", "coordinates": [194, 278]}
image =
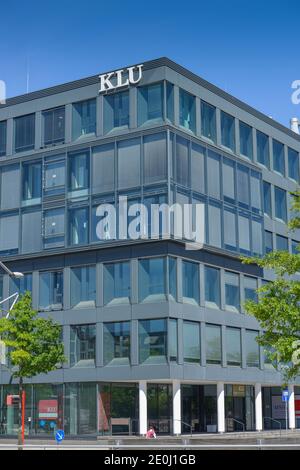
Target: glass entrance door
{"type": "Point", "coordinates": [160, 407]}
{"type": "Point", "coordinates": [239, 408]}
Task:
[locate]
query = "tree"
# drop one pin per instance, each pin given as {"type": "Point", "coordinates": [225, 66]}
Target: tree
{"type": "Point", "coordinates": [278, 306]}
{"type": "Point", "coordinates": [34, 344]}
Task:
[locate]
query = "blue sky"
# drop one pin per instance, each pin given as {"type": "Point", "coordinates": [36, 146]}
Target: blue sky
{"type": "Point", "coordinates": [250, 48]}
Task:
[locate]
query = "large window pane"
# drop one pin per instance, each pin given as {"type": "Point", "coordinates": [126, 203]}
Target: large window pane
{"type": "Point", "coordinates": [243, 192]}
{"type": "Point", "coordinates": [252, 348]}
{"type": "Point", "coordinates": [116, 111]}
{"type": "Point", "coordinates": [244, 233]}
{"type": "Point", "coordinates": [83, 119]}
{"type": "Point", "coordinates": [281, 243]}
{"type": "Point", "coordinates": [212, 287]}
{"type": "Point", "coordinates": [129, 161]}
{"type": "Point", "coordinates": [54, 227]}
{"type": "Point", "coordinates": [191, 342]}
{"type": "Point", "coordinates": [268, 242]}
{"type": "Point", "coordinates": [24, 133]}
{"type": "Point", "coordinates": [228, 179]}
{"type": "Point", "coordinates": [182, 161]}
{"type": "Point", "coordinates": [153, 341]}
{"type": "Point", "coordinates": [246, 144]}
{"type": "Point", "coordinates": [32, 182]}
{"type": "Point", "coordinates": [117, 283]}
{"type": "Point", "coordinates": [280, 204]}
{"type": "Point", "coordinates": [31, 231]}
{"type": "Point", "coordinates": [213, 344]}
{"type": "Point", "coordinates": [263, 154]}
{"type": "Point", "coordinates": [213, 175]}
{"type": "Point", "coordinates": [214, 225]}
{"type": "Point", "coordinates": [233, 346]}
{"type": "Point", "coordinates": [3, 127]}
{"type": "Point", "coordinates": [20, 286]}
{"type": "Point", "coordinates": [103, 174]}
{"type": "Point", "coordinates": [9, 234]}
{"type": "Point", "coordinates": [83, 286]}
{"type": "Point", "coordinates": [170, 101]}
{"type": "Point", "coordinates": [187, 110]}
{"type": "Point", "coordinates": [255, 185]}
{"type": "Point", "coordinates": [230, 237]}
{"type": "Point", "coordinates": [190, 282]}
{"type": "Point", "coordinates": [267, 199]}
{"type": "Point", "coordinates": [227, 131]}
{"type": "Point", "coordinates": [78, 172]}
{"type": "Point", "coordinates": [257, 237]}
{"type": "Point", "coordinates": [152, 279]}
{"type": "Point", "coordinates": [10, 178]}
{"type": "Point", "coordinates": [51, 290]}
{"type": "Point", "coordinates": [116, 339]}
{"type": "Point", "coordinates": [250, 287]}
{"type": "Point", "coordinates": [54, 126]}
{"type": "Point", "coordinates": [150, 103]}
{"type": "Point", "coordinates": [54, 177]}
{"type": "Point", "coordinates": [172, 278]}
{"type": "Point", "coordinates": [278, 157]}
{"type": "Point", "coordinates": [232, 291]}
{"type": "Point", "coordinates": [79, 226]}
{"type": "Point", "coordinates": [155, 158]}
{"type": "Point", "coordinates": [293, 164]}
{"type": "Point", "coordinates": [173, 343]}
{"type": "Point", "coordinates": [83, 346]}
{"type": "Point", "coordinates": [197, 168]}
{"type": "Point", "coordinates": [208, 121]}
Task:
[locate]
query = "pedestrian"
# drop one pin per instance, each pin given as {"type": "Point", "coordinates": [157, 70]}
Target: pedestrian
{"type": "Point", "coordinates": [151, 434]}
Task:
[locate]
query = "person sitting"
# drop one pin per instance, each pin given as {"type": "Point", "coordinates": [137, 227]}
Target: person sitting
{"type": "Point", "coordinates": [151, 434]}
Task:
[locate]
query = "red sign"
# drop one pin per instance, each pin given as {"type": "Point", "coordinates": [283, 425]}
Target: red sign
{"type": "Point", "coordinates": [48, 409]}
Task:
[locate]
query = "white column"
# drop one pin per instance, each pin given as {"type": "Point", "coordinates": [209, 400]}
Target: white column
{"type": "Point", "coordinates": [176, 407]}
{"type": "Point", "coordinates": [143, 407]}
{"type": "Point", "coordinates": [292, 418]}
{"type": "Point", "coordinates": [221, 406]}
{"type": "Point", "coordinates": [258, 408]}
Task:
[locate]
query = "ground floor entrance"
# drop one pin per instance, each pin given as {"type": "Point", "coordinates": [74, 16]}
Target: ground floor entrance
{"type": "Point", "coordinates": [130, 408]}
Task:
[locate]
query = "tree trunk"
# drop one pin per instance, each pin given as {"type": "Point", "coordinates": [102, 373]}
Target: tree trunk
{"type": "Point", "coordinates": [20, 442]}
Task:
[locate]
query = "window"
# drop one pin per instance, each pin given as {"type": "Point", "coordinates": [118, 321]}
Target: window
{"type": "Point", "coordinates": [153, 341]}
{"type": "Point", "coordinates": [244, 233]}
{"type": "Point", "coordinates": [1, 288]}
{"type": "Point", "coordinates": [232, 291]}
{"type": "Point", "coordinates": [252, 348]}
{"type": "Point", "coordinates": [79, 172]}
{"type": "Point", "coordinates": [54, 177]}
{"type": "Point", "coordinates": [24, 133]}
{"type": "Point", "coordinates": [3, 130]}
{"type": "Point", "coordinates": [79, 226]}
{"type": "Point", "coordinates": [208, 121]}
{"type": "Point", "coordinates": [54, 227]}
{"type": "Point", "coordinates": [280, 204]}
{"type": "Point", "coordinates": [212, 287]}
{"type": "Point", "coordinates": [230, 235]}
{"type": "Point", "coordinates": [150, 104]}
{"type": "Point", "coordinates": [32, 182]}
{"type": "Point", "coordinates": [268, 242]}
{"type": "Point", "coordinates": [182, 161]}
{"type": "Point", "coordinates": [191, 342]}
{"type": "Point", "coordinates": [243, 189]}
{"type": "Point", "coordinates": [117, 283]}
{"type": "Point", "coordinates": [9, 225]}
{"type": "Point", "coordinates": [228, 179]}
{"type": "Point", "coordinates": [83, 286]}
{"type": "Point", "coordinates": [83, 119]}
{"type": "Point", "coordinates": [255, 185]}
{"type": "Point", "coordinates": [20, 285]}
{"type": "Point", "coordinates": [295, 247]}
{"type": "Point", "coordinates": [213, 174]}
{"type": "Point", "coordinates": [278, 157]}
{"type": "Point", "coordinates": [214, 225]}
{"type": "Point", "coordinates": [293, 164]}
{"type": "Point", "coordinates": [267, 199]}
{"type": "Point", "coordinates": [155, 158]}
{"type": "Point", "coordinates": [213, 344]}
{"type": "Point", "coordinates": [233, 346]}
{"type": "Point", "coordinates": [246, 144]}
{"type": "Point", "coordinates": [83, 346]}
{"type": "Point", "coordinates": [51, 290]}
{"type": "Point", "coordinates": [103, 174]}
{"type": "Point", "coordinates": [129, 161]}
{"type": "Point", "coordinates": [116, 340]}
{"type": "Point", "coordinates": [31, 231]}
{"type": "Point", "coordinates": [190, 282]}
{"type": "Point", "coordinates": [152, 279]}
{"type": "Point", "coordinates": [187, 110]}
{"type": "Point", "coordinates": [281, 243]}
{"type": "Point", "coordinates": [263, 153]}
{"type": "Point", "coordinates": [170, 101]}
{"type": "Point", "coordinates": [250, 288]}
{"type": "Point", "coordinates": [257, 237]}
{"type": "Point", "coordinates": [54, 126]}
{"type": "Point", "coordinates": [227, 131]}
{"type": "Point", "coordinates": [197, 168]}
{"type": "Point", "coordinates": [173, 343]}
{"type": "Point", "coordinates": [116, 111]}
{"type": "Point", "coordinates": [172, 278]}
{"type": "Point", "coordinates": [10, 178]}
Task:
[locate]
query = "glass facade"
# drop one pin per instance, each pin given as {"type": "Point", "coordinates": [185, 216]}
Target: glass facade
{"type": "Point", "coordinates": [116, 339]}
{"type": "Point", "coordinates": [51, 290]}
{"type": "Point", "coordinates": [83, 286]}
{"type": "Point", "coordinates": [153, 341]}
{"type": "Point", "coordinates": [152, 279]}
{"type": "Point", "coordinates": [116, 111]}
{"type": "Point", "coordinates": [83, 346]}
{"type": "Point", "coordinates": [117, 283]}
{"type": "Point", "coordinates": [150, 104]}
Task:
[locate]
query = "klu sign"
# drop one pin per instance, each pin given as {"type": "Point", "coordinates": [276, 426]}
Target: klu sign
{"type": "Point", "coordinates": [120, 78]}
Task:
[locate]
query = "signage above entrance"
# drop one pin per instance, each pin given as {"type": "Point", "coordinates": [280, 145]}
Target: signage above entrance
{"type": "Point", "coordinates": [120, 78]}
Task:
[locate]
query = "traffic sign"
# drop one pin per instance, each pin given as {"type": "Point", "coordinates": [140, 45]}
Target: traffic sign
{"type": "Point", "coordinates": [285, 395]}
{"type": "Point", "coordinates": [59, 435]}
